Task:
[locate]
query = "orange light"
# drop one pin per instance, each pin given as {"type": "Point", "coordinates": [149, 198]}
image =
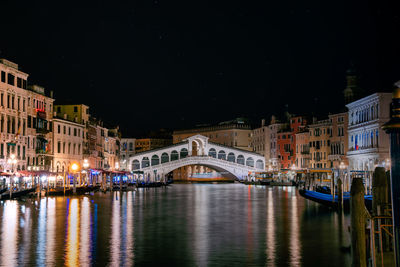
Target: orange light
{"type": "Point", "coordinates": [74, 167]}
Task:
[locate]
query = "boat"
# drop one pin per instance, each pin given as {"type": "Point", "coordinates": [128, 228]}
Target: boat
{"type": "Point", "coordinates": [16, 194]}
{"type": "Point", "coordinates": [328, 200]}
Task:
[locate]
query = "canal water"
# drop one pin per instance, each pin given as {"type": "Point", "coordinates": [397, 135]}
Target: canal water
{"type": "Point", "coordinates": [180, 225]}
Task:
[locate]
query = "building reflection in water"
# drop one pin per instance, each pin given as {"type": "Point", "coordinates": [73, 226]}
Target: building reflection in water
{"type": "Point", "coordinates": [85, 231]}
{"type": "Point", "coordinates": [26, 227]}
{"type": "Point", "coordinates": [128, 219]}
{"type": "Point", "coordinates": [41, 234]}
{"type": "Point", "coordinates": [72, 249]}
{"type": "Point", "coordinates": [50, 231]}
{"type": "Point", "coordinates": [270, 238]}
{"type": "Point", "coordinates": [295, 245]}
{"type": "Point", "coordinates": [201, 213]}
{"type": "Point", "coordinates": [9, 234]}
{"type": "Point", "coordinates": [115, 241]}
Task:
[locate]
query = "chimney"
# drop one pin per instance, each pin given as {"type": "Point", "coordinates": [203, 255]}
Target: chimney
{"type": "Point", "coordinates": [262, 122]}
{"type": "Point", "coordinates": [65, 116]}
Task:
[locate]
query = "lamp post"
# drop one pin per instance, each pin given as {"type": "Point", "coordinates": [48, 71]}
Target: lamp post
{"type": "Point", "coordinates": [12, 161]}
{"type": "Point", "coordinates": [74, 168]}
{"type": "Point", "coordinates": [342, 167]}
{"type": "Point", "coordinates": [85, 167]}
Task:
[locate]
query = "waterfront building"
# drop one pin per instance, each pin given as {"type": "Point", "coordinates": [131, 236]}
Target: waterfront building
{"type": "Point", "coordinates": [13, 115]}
{"type": "Point", "coordinates": [260, 141]}
{"type": "Point", "coordinates": [127, 150]}
{"type": "Point", "coordinates": [320, 134]}
{"type": "Point", "coordinates": [39, 129]}
{"type": "Point", "coordinates": [368, 144]}
{"type": "Point", "coordinates": [274, 127]}
{"type": "Point", "coordinates": [96, 143]}
{"type": "Point", "coordinates": [68, 143]}
{"type": "Point", "coordinates": [111, 149]}
{"type": "Point", "coordinates": [303, 149]}
{"type": "Point", "coordinates": [235, 133]}
{"type": "Point", "coordinates": [338, 140]}
{"type": "Point", "coordinates": [287, 141]}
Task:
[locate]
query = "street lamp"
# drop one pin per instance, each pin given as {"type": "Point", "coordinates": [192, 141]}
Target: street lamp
{"type": "Point", "coordinates": [12, 161]}
{"type": "Point", "coordinates": [74, 168]}
{"type": "Point", "coordinates": [86, 166]}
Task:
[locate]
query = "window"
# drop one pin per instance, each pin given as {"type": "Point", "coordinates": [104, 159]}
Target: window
{"type": "Point", "coordinates": [65, 130]}
{"type": "Point", "coordinates": [59, 146]}
{"type": "Point", "coordinates": [75, 109]}
{"type": "Point", "coordinates": [19, 82]}
{"type": "Point", "coordinates": [1, 99]}
{"type": "Point", "coordinates": [10, 79]}
{"type": "Point", "coordinates": [69, 130]}
{"type": "Point", "coordinates": [3, 76]}
{"type": "Point", "coordinates": [58, 109]}
{"type": "Point", "coordinates": [74, 131]}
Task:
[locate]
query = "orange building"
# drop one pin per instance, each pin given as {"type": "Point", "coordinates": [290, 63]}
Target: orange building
{"type": "Point", "coordinates": [287, 141]}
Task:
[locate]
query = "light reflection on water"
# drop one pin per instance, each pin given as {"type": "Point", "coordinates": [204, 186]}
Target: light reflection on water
{"type": "Point", "coordinates": [185, 225]}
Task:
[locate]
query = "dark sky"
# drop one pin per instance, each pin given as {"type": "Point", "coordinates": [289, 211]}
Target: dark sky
{"type": "Point", "coordinates": [156, 64]}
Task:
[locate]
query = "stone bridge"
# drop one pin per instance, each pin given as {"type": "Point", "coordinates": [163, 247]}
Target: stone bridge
{"type": "Point", "coordinates": [197, 150]}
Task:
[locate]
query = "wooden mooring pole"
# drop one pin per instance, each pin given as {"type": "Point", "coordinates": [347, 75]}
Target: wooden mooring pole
{"type": "Point", "coordinates": [357, 209]}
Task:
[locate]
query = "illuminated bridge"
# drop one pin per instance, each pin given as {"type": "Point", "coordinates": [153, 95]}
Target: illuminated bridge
{"type": "Point", "coordinates": [197, 150]}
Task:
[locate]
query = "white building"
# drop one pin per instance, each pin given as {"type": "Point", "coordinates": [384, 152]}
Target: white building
{"type": "Point", "coordinates": [260, 141]}
{"type": "Point", "coordinates": [273, 161]}
{"type": "Point", "coordinates": [368, 143]}
{"type": "Point", "coordinates": [127, 150]}
{"type": "Point", "coordinates": [68, 144]}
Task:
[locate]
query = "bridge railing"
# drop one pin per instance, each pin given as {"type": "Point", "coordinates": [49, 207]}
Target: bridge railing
{"type": "Point", "coordinates": [194, 159]}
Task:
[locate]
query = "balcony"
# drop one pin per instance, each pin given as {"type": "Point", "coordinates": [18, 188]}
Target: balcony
{"type": "Point", "coordinates": [41, 151]}
{"type": "Point", "coordinates": [42, 131]}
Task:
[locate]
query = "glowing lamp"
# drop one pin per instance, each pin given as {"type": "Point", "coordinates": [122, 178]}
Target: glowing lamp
{"type": "Point", "coordinates": [74, 167]}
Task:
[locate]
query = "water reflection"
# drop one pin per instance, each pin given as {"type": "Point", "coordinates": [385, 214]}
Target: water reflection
{"type": "Point", "coordinates": [183, 225]}
{"type": "Point", "coordinates": [270, 233]}
{"type": "Point", "coordinates": [72, 251]}
{"type": "Point", "coordinates": [85, 231]}
{"type": "Point", "coordinates": [50, 231]}
{"type": "Point", "coordinates": [9, 234]}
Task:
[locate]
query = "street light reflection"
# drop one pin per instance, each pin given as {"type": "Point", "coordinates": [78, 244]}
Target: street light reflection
{"type": "Point", "coordinates": [72, 257]}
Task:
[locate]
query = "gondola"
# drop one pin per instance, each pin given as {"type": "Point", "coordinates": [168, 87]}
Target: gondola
{"type": "Point", "coordinates": [328, 200]}
{"type": "Point", "coordinates": [17, 194]}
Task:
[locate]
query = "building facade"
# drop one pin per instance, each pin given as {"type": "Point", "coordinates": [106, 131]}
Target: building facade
{"type": "Point", "coordinates": [338, 140]}
{"type": "Point", "coordinates": [320, 134]}
{"type": "Point", "coordinates": [68, 144]}
{"type": "Point", "coordinates": [303, 156]}
{"type": "Point", "coordinates": [127, 150]}
{"type": "Point", "coordinates": [260, 141]}
{"type": "Point", "coordinates": [13, 112]}
{"type": "Point", "coordinates": [368, 144]}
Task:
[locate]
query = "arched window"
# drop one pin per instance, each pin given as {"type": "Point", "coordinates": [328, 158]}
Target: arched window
{"type": "Point", "coordinates": [174, 155]}
{"type": "Point", "coordinates": [184, 153]}
{"type": "Point", "coordinates": [212, 153]}
{"type": "Point", "coordinates": [260, 164]}
{"type": "Point", "coordinates": [221, 155]}
{"type": "Point", "coordinates": [145, 162]}
{"type": "Point", "coordinates": [231, 157]}
{"type": "Point", "coordinates": [155, 160]}
{"type": "Point", "coordinates": [240, 160]}
{"type": "Point", "coordinates": [135, 164]}
{"type": "Point", "coordinates": [250, 162]}
{"type": "Point", "coordinates": [164, 157]}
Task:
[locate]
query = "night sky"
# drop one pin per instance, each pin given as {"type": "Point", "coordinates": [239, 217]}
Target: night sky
{"type": "Point", "coordinates": [171, 64]}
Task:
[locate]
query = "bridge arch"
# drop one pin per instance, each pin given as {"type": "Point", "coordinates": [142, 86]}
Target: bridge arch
{"type": "Point", "coordinates": [212, 152]}
{"type": "Point", "coordinates": [259, 164]}
{"type": "Point", "coordinates": [231, 157]}
{"type": "Point", "coordinates": [135, 165]}
{"type": "Point", "coordinates": [183, 153]}
{"type": "Point", "coordinates": [145, 162]}
{"type": "Point", "coordinates": [155, 160]}
{"type": "Point", "coordinates": [222, 155]}
{"type": "Point", "coordinates": [240, 159]}
{"type": "Point", "coordinates": [174, 155]}
{"type": "Point", "coordinates": [164, 157]}
{"type": "Point", "coordinates": [250, 162]}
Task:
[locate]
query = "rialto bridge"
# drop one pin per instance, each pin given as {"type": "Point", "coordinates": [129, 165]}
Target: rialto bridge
{"type": "Point", "coordinates": [197, 150]}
